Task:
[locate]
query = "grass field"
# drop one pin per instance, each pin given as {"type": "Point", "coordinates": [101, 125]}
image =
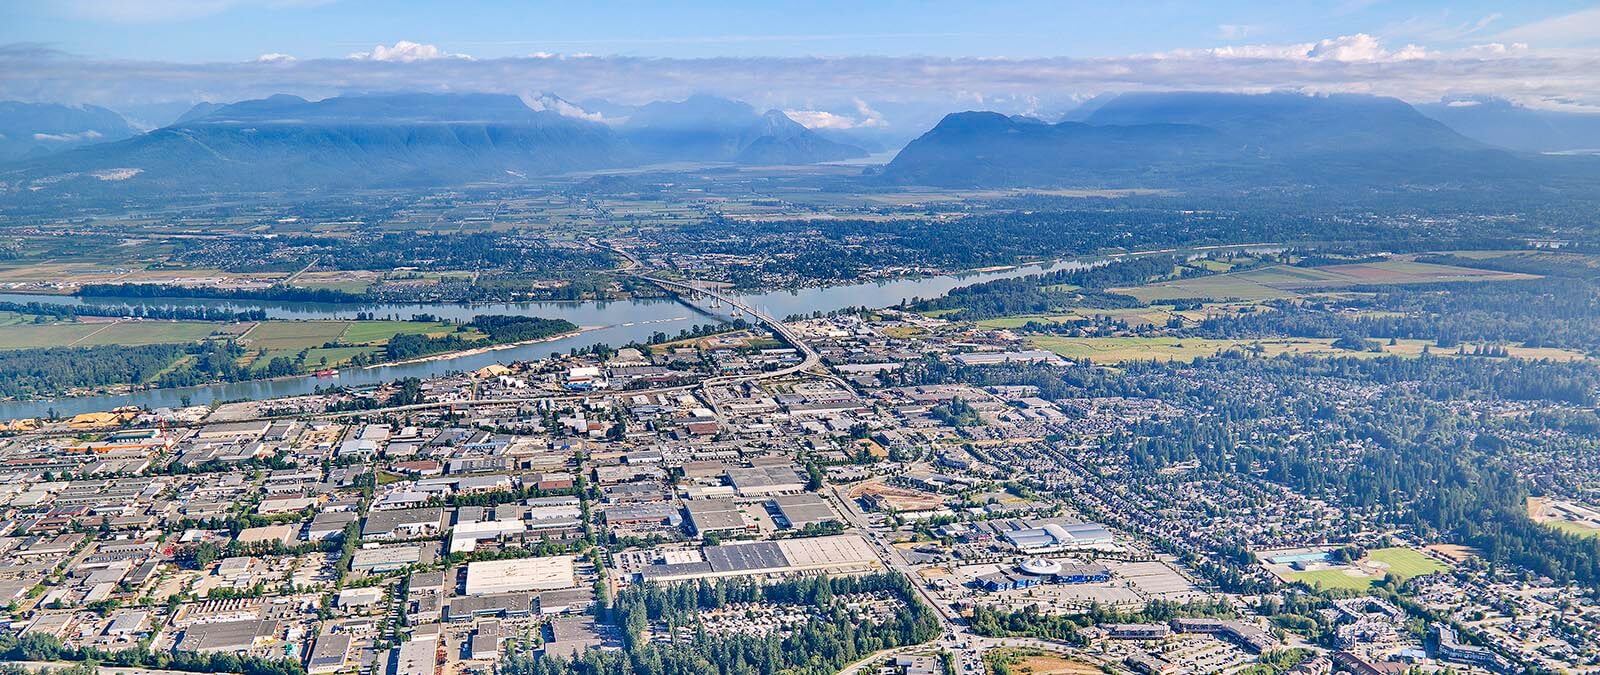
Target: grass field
{"type": "Point", "coordinates": [1282, 281]}
{"type": "Point", "coordinates": [1574, 527]}
{"type": "Point", "coordinates": [1112, 350]}
{"type": "Point", "coordinates": [1038, 662]}
{"type": "Point", "coordinates": [1565, 516]}
{"type": "Point", "coordinates": [1401, 562]}
{"type": "Point", "coordinates": [1405, 563]}
{"type": "Point", "coordinates": [1331, 579]}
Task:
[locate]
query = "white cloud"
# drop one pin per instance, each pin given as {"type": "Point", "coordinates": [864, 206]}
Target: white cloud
{"type": "Point", "coordinates": [820, 119]}
{"type": "Point", "coordinates": [839, 86]}
{"type": "Point", "coordinates": [866, 118]}
{"type": "Point", "coordinates": [1578, 29]}
{"type": "Point", "coordinates": [1356, 48]}
{"type": "Point", "coordinates": [406, 51]}
{"type": "Point", "coordinates": [869, 117]}
{"type": "Point", "coordinates": [68, 137]}
{"type": "Point", "coordinates": [274, 57]}
{"type": "Point", "coordinates": [560, 106]}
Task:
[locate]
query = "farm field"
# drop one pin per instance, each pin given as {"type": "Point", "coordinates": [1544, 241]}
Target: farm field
{"type": "Point", "coordinates": [1139, 316]}
{"type": "Point", "coordinates": [1282, 281]}
{"type": "Point", "coordinates": [29, 335]}
{"type": "Point", "coordinates": [1110, 350]}
{"type": "Point", "coordinates": [279, 338]}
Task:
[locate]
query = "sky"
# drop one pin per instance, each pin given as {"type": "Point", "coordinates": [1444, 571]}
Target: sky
{"type": "Point", "coordinates": [849, 60]}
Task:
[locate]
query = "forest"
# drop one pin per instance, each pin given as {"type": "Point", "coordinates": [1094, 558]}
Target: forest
{"type": "Point", "coordinates": [837, 636]}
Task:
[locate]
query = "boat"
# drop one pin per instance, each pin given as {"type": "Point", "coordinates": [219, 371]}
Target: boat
{"type": "Point", "coordinates": [331, 372]}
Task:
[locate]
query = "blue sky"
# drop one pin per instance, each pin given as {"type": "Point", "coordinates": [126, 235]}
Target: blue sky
{"type": "Point", "coordinates": [886, 64]}
{"type": "Point", "coordinates": [237, 30]}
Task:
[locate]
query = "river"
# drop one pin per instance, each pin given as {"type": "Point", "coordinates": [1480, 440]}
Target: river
{"type": "Point", "coordinates": [613, 323]}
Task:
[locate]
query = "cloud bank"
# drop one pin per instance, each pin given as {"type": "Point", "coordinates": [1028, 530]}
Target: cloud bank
{"type": "Point", "coordinates": [840, 92]}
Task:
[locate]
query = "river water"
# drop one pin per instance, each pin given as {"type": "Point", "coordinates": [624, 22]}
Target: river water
{"type": "Point", "coordinates": [613, 323]}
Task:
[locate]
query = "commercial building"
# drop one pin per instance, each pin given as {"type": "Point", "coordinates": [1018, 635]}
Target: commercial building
{"type": "Point", "coordinates": [520, 574]}
{"type": "Point", "coordinates": [1137, 631]}
{"type": "Point", "coordinates": [1047, 536]}
{"type": "Point", "coordinates": [1036, 571]}
{"type": "Point", "coordinates": [1243, 633]}
{"type": "Point", "coordinates": [1452, 649]}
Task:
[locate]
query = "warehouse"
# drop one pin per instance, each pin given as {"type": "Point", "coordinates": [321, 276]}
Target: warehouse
{"type": "Point", "coordinates": [839, 554]}
{"type": "Point", "coordinates": [403, 523]}
{"type": "Point", "coordinates": [520, 574]}
{"type": "Point", "coordinates": [229, 636]}
{"type": "Point", "coordinates": [762, 481]}
{"type": "Point", "coordinates": [707, 516]}
{"type": "Point", "coordinates": [329, 654]}
{"type": "Point", "coordinates": [385, 559]}
{"type": "Point", "coordinates": [499, 604]}
{"type": "Point", "coordinates": [635, 515]}
{"type": "Point", "coordinates": [801, 510]}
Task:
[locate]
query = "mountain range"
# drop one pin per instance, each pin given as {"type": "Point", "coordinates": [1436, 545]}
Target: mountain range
{"type": "Point", "coordinates": [1167, 140]}
{"type": "Point", "coordinates": [1200, 140]}
{"type": "Point", "coordinates": [286, 142]}
{"type": "Point", "coordinates": [1505, 124]}
{"type": "Point", "coordinates": [30, 130]}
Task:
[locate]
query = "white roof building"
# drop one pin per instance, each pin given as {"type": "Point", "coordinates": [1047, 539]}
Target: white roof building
{"type": "Point", "coordinates": [520, 574]}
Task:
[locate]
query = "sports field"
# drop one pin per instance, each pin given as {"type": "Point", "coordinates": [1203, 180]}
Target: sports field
{"type": "Point", "coordinates": [1401, 562]}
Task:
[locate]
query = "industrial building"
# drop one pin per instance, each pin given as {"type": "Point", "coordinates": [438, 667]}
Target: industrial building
{"type": "Point", "coordinates": [762, 481]}
{"type": "Point", "coordinates": [520, 574]}
{"type": "Point", "coordinates": [707, 516]}
{"type": "Point", "coordinates": [798, 511]}
{"type": "Point", "coordinates": [840, 554]}
{"type": "Point", "coordinates": [386, 559]}
{"type": "Point", "coordinates": [329, 654]}
{"type": "Point", "coordinates": [225, 636]}
{"type": "Point", "coordinates": [403, 523]}
{"type": "Point", "coordinates": [498, 605]}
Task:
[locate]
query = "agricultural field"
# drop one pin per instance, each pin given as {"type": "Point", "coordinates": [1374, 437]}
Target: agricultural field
{"type": "Point", "coordinates": [288, 338]}
{"type": "Point", "coordinates": [1282, 281]}
{"type": "Point", "coordinates": [28, 335]}
{"type": "Point", "coordinates": [1112, 350]}
{"type": "Point", "coordinates": [1138, 316]}
{"type": "Point", "coordinates": [279, 338]}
